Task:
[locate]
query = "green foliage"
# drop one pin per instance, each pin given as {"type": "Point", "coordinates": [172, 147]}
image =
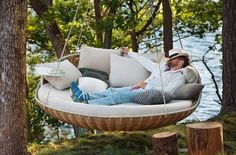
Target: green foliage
{"type": "Point", "coordinates": [191, 17]}
{"type": "Point", "coordinates": [35, 122]}
{"type": "Point", "coordinates": [123, 22]}
{"type": "Point", "coordinates": [197, 17]}
{"type": "Point", "coordinates": [64, 11]}
{"type": "Point", "coordinates": [131, 18]}
{"type": "Point", "coordinates": [37, 33]}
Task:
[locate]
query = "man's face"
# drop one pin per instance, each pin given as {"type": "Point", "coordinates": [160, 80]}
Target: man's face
{"type": "Point", "coordinates": [173, 62]}
{"type": "Point", "coordinates": [176, 62]}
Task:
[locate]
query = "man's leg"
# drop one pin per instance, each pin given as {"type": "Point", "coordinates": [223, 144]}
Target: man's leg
{"type": "Point", "coordinates": [107, 92]}
{"type": "Point", "coordinates": [79, 96]}
{"type": "Point", "coordinates": [110, 96]}
{"type": "Point", "coordinates": [76, 92]}
{"type": "Point", "coordinates": [117, 97]}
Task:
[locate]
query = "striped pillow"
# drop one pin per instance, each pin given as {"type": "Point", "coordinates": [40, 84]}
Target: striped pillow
{"type": "Point", "coordinates": [151, 97]}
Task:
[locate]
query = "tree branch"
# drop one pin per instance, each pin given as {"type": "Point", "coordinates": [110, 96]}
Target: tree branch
{"type": "Point", "coordinates": [130, 4]}
{"type": "Point", "coordinates": [143, 12]}
{"type": "Point", "coordinates": [52, 28]}
{"type": "Point", "coordinates": [212, 75]}
{"type": "Point", "coordinates": [150, 20]}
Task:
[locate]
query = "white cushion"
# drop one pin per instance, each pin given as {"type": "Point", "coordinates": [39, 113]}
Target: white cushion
{"type": "Point", "coordinates": [89, 84]}
{"type": "Point", "coordinates": [62, 82]}
{"type": "Point", "coordinates": [190, 74]}
{"type": "Point", "coordinates": [61, 100]}
{"type": "Point", "coordinates": [126, 71]}
{"type": "Point", "coordinates": [96, 58]}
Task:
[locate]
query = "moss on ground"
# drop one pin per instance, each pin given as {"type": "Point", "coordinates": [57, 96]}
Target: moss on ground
{"type": "Point", "coordinates": [131, 143]}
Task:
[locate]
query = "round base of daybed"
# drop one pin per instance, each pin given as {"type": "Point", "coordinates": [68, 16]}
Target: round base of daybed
{"type": "Point", "coordinates": [118, 123]}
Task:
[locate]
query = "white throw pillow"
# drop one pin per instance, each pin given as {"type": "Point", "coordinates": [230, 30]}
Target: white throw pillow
{"type": "Point", "coordinates": [62, 82]}
{"type": "Point", "coordinates": [126, 71]}
{"type": "Point", "coordinates": [190, 74]}
{"type": "Point", "coordinates": [89, 84]}
{"type": "Point", "coordinates": [96, 58]}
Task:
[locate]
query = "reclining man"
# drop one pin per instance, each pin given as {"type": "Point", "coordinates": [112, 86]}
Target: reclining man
{"type": "Point", "coordinates": [171, 72]}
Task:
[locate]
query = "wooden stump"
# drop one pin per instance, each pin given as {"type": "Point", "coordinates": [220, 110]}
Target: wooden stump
{"type": "Point", "coordinates": [205, 138]}
{"type": "Point", "coordinates": [165, 143]}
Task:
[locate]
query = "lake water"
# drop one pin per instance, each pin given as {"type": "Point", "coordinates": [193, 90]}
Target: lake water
{"type": "Point", "coordinates": [209, 105]}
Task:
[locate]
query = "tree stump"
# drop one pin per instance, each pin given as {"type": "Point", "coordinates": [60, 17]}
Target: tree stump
{"type": "Point", "coordinates": [205, 138]}
{"type": "Point", "coordinates": [165, 143]}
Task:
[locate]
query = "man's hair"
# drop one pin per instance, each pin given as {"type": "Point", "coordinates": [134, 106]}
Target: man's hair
{"type": "Point", "coordinates": [185, 59]}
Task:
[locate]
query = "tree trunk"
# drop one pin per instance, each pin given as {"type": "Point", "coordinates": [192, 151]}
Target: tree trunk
{"type": "Point", "coordinates": [108, 38]}
{"type": "Point", "coordinates": [134, 42]}
{"type": "Point", "coordinates": [165, 143]}
{"type": "Point", "coordinates": [53, 31]}
{"type": "Point", "coordinates": [135, 34]}
{"type": "Point", "coordinates": [98, 18]}
{"type": "Point", "coordinates": [13, 16]}
{"type": "Point", "coordinates": [229, 56]}
{"type": "Point", "coordinates": [57, 39]}
{"type": "Point", "coordinates": [167, 25]}
{"type": "Point", "coordinates": [205, 138]}
{"type": "Point", "coordinates": [108, 32]}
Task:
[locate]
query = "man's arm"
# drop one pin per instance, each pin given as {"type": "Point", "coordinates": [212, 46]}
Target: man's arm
{"type": "Point", "coordinates": [148, 64]}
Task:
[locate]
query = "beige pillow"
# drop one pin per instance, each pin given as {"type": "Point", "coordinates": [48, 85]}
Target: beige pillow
{"type": "Point", "coordinates": [188, 91]}
{"type": "Point", "coordinates": [190, 74]}
{"type": "Point", "coordinates": [71, 73]}
{"type": "Point", "coordinates": [126, 71]}
{"type": "Point", "coordinates": [96, 58]}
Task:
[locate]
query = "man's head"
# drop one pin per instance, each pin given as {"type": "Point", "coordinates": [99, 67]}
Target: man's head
{"type": "Point", "coordinates": [179, 58]}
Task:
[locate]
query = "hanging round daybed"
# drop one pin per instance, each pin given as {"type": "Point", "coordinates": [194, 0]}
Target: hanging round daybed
{"type": "Point", "coordinates": [122, 117]}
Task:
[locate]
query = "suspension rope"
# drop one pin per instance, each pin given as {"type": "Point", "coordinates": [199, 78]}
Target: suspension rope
{"type": "Point", "coordinates": [81, 29]}
{"type": "Point", "coordinates": [69, 33]}
{"type": "Point", "coordinates": [63, 51]}
{"type": "Point", "coordinates": [180, 41]}
{"type": "Point", "coordinates": [155, 39]}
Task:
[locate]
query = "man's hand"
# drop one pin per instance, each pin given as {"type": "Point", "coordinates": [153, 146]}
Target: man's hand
{"type": "Point", "coordinates": [124, 50]}
{"type": "Point", "coordinates": [139, 85]}
{"type": "Point", "coordinates": [142, 85]}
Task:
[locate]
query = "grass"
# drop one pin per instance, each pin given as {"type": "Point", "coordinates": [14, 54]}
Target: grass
{"type": "Point", "coordinates": [130, 143]}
